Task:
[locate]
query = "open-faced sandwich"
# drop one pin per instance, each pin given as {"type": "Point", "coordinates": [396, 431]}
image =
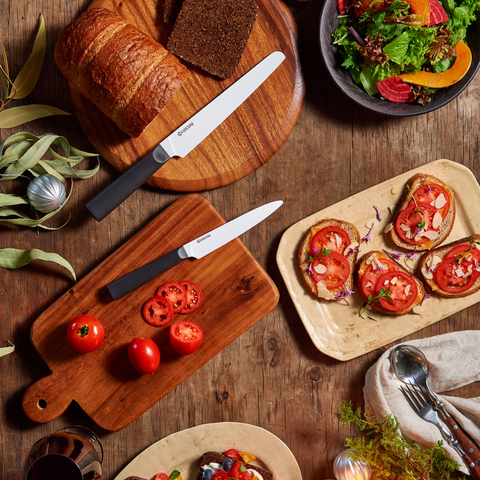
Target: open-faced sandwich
{"type": "Point", "coordinates": [327, 257]}
{"type": "Point", "coordinates": [425, 215]}
{"type": "Point", "coordinates": [386, 286]}
{"type": "Point", "coordinates": [217, 466]}
{"type": "Point", "coordinates": [453, 270]}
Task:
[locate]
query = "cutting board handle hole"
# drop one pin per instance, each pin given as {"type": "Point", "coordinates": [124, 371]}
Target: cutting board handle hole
{"type": "Point", "coordinates": [42, 404]}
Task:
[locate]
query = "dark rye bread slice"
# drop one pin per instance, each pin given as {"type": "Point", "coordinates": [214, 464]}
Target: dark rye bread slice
{"type": "Point", "coordinates": [362, 264]}
{"type": "Point", "coordinates": [216, 457]}
{"type": "Point", "coordinates": [171, 8]}
{"type": "Point", "coordinates": [441, 252]}
{"type": "Point", "coordinates": [446, 226]}
{"type": "Point", "coordinates": [304, 254]}
{"type": "Point", "coordinates": [212, 34]}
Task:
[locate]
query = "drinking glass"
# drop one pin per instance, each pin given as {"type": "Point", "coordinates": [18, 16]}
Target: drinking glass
{"type": "Point", "coordinates": [73, 453]}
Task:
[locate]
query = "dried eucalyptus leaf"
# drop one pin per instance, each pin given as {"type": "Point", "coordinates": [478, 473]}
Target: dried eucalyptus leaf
{"type": "Point", "coordinates": [7, 350]}
{"type": "Point", "coordinates": [28, 77]}
{"type": "Point", "coordinates": [15, 116]}
{"type": "Point", "coordinates": [9, 200]}
{"type": "Point", "coordinates": [5, 75]}
{"type": "Point", "coordinates": [12, 258]}
{"type": "Point", "coordinates": [50, 170]}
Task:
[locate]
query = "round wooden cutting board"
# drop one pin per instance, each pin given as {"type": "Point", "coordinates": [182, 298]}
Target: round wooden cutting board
{"type": "Point", "coordinates": [244, 141]}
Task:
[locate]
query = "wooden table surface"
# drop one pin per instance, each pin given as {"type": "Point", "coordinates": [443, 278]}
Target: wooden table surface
{"type": "Point", "coordinates": [272, 375]}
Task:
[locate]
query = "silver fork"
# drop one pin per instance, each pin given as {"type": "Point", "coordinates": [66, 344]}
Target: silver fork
{"type": "Point", "coordinates": [425, 411]}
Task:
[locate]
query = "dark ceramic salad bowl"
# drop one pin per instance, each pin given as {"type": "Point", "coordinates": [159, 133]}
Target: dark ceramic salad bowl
{"type": "Point", "coordinates": [333, 61]}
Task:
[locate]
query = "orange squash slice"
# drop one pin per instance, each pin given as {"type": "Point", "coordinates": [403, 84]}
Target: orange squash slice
{"type": "Point", "coordinates": [444, 79]}
{"type": "Point", "coordinates": [421, 7]}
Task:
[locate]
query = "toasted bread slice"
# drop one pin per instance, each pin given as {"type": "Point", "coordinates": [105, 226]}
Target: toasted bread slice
{"type": "Point", "coordinates": [427, 270]}
{"type": "Point", "coordinates": [216, 458]}
{"type": "Point", "coordinates": [371, 258]}
{"type": "Point", "coordinates": [304, 255]}
{"type": "Point", "coordinates": [446, 225]}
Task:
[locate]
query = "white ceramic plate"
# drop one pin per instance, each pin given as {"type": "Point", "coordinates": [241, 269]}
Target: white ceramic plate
{"type": "Point", "coordinates": [337, 329]}
{"type": "Point", "coordinates": [182, 451]}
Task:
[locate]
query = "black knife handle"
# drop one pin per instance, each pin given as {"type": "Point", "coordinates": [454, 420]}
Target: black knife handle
{"type": "Point", "coordinates": [119, 190]}
{"type": "Point", "coordinates": [139, 277]}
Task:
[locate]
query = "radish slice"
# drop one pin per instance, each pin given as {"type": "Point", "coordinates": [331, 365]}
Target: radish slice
{"type": "Point", "coordinates": [437, 13]}
{"type": "Point", "coordinates": [395, 90]}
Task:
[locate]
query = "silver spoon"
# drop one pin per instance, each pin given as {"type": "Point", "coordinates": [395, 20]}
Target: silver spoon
{"type": "Point", "coordinates": [411, 367]}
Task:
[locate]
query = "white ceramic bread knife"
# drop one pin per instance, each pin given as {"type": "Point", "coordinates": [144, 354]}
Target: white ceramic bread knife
{"type": "Point", "coordinates": [185, 138]}
{"type": "Point", "coordinates": [198, 248]}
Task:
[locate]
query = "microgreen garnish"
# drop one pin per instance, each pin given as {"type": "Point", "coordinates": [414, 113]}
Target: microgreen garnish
{"type": "Point", "coordinates": [394, 255]}
{"type": "Point", "coordinates": [426, 183]}
{"type": "Point", "coordinates": [411, 197]}
{"type": "Point", "coordinates": [379, 217]}
{"type": "Point", "coordinates": [350, 250]}
{"type": "Point", "coordinates": [385, 294]}
{"type": "Point", "coordinates": [421, 224]}
{"type": "Point", "coordinates": [412, 256]}
{"type": "Point", "coordinates": [342, 295]}
{"type": "Point", "coordinates": [427, 295]}
{"type": "Point", "coordinates": [367, 238]}
{"type": "Point", "coordinates": [379, 265]}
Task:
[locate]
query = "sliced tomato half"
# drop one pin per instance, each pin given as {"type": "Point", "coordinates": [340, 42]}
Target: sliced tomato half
{"type": "Point", "coordinates": [194, 297]}
{"type": "Point", "coordinates": [411, 220]}
{"type": "Point", "coordinates": [337, 270]}
{"type": "Point", "coordinates": [176, 293]}
{"type": "Point", "coordinates": [467, 251]}
{"type": "Point", "coordinates": [331, 238]}
{"type": "Point", "coordinates": [185, 337]}
{"type": "Point", "coordinates": [373, 272]}
{"type": "Point", "coordinates": [240, 472]}
{"type": "Point", "coordinates": [403, 290]}
{"type": "Point", "coordinates": [429, 193]}
{"type": "Point", "coordinates": [158, 311]}
{"type": "Point", "coordinates": [456, 277]}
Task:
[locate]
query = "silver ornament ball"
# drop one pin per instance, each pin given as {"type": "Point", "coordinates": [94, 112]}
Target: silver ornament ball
{"type": "Point", "coordinates": [344, 468]}
{"type": "Point", "coordinates": [46, 193]}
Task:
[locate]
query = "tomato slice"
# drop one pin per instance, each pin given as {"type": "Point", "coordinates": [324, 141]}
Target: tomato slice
{"type": "Point", "coordinates": [337, 270]}
{"type": "Point", "coordinates": [194, 297]}
{"type": "Point", "coordinates": [429, 193]}
{"type": "Point", "coordinates": [469, 252]}
{"type": "Point", "coordinates": [176, 293]}
{"type": "Point", "coordinates": [240, 472]}
{"type": "Point", "coordinates": [454, 276]}
{"type": "Point", "coordinates": [371, 275]}
{"type": "Point", "coordinates": [232, 453]}
{"type": "Point", "coordinates": [403, 290]}
{"type": "Point", "coordinates": [332, 238]}
{"type": "Point", "coordinates": [220, 475]}
{"type": "Point", "coordinates": [411, 220]}
{"type": "Point", "coordinates": [158, 311]}
{"type": "Point", "coordinates": [185, 337]}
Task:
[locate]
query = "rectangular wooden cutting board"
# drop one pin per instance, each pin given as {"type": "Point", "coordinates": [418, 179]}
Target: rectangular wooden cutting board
{"type": "Point", "coordinates": [237, 293]}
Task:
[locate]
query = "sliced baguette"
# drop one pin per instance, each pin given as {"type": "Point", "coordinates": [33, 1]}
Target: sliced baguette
{"type": "Point", "coordinates": [362, 265]}
{"type": "Point", "coordinates": [217, 458]}
{"type": "Point", "coordinates": [438, 255]}
{"type": "Point", "coordinates": [304, 255]}
{"type": "Point", "coordinates": [446, 226]}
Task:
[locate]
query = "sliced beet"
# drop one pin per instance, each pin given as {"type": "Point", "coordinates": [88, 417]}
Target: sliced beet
{"type": "Point", "coordinates": [342, 6]}
{"type": "Point", "coordinates": [395, 90]}
{"type": "Point", "coordinates": [437, 13]}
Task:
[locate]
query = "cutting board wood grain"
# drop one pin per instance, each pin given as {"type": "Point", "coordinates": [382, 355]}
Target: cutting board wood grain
{"type": "Point", "coordinates": [244, 141]}
{"type": "Point", "coordinates": [237, 293]}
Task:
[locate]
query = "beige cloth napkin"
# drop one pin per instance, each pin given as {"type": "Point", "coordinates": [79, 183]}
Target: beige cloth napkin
{"type": "Point", "coordinates": [454, 361]}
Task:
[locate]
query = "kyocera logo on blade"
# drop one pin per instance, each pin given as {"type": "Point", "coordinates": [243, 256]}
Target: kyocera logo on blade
{"type": "Point", "coordinates": [181, 132]}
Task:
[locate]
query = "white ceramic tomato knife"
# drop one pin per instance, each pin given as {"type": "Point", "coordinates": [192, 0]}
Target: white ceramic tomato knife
{"type": "Point", "coordinates": [198, 248]}
{"type": "Point", "coordinates": [185, 138]}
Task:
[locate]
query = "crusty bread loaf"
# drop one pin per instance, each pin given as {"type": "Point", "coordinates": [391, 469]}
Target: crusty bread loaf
{"type": "Point", "coordinates": [216, 457]}
{"type": "Point", "coordinates": [129, 76]}
{"type": "Point", "coordinates": [362, 265]}
{"type": "Point", "coordinates": [212, 34]}
{"type": "Point", "coordinates": [445, 227]}
{"type": "Point", "coordinates": [304, 254]}
{"type": "Point", "coordinates": [437, 255]}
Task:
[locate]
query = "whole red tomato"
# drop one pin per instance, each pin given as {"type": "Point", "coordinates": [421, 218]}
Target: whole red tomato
{"type": "Point", "coordinates": [185, 337]}
{"type": "Point", "coordinates": [85, 333]}
{"type": "Point", "coordinates": [144, 355]}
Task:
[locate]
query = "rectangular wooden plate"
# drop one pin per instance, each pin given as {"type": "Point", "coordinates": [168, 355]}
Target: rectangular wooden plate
{"type": "Point", "coordinates": [237, 293]}
{"type": "Point", "coordinates": [335, 328]}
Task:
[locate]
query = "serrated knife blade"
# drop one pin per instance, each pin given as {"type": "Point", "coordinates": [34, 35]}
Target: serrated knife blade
{"type": "Point", "coordinates": [185, 138]}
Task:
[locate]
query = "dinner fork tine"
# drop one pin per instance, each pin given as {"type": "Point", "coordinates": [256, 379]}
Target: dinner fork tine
{"type": "Point", "coordinates": [425, 411]}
